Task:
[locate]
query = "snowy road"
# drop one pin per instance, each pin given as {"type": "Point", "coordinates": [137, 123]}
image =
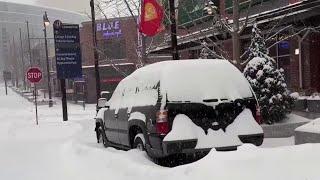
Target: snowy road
{"type": "Point", "coordinates": [57, 150]}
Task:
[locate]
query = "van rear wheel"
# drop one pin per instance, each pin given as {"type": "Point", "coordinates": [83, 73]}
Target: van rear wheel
{"type": "Point", "coordinates": [139, 142]}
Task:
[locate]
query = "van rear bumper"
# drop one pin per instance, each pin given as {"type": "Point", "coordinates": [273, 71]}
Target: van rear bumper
{"type": "Point", "coordinates": [188, 146]}
{"type": "Point", "coordinates": [256, 139]}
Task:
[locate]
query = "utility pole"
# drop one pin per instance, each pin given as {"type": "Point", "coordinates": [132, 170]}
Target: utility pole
{"type": "Point", "coordinates": [29, 45]}
{"type": "Point", "coordinates": [236, 33]}
{"type": "Point", "coordinates": [22, 60]}
{"type": "Point", "coordinates": [174, 41]}
{"type": "Point", "coordinates": [14, 56]}
{"type": "Point", "coordinates": [96, 55]}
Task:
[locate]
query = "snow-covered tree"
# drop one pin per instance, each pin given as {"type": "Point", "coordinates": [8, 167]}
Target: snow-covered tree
{"type": "Point", "coordinates": [207, 53]}
{"type": "Point", "coordinates": [257, 47]}
{"type": "Point", "coordinates": [267, 81]}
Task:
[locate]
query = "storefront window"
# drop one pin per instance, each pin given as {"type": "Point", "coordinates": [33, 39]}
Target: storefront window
{"type": "Point", "coordinates": [283, 48]}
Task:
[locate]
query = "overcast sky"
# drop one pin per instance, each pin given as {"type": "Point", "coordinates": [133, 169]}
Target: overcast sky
{"type": "Point", "coordinates": [72, 5]}
{"type": "Point", "coordinates": [83, 6]}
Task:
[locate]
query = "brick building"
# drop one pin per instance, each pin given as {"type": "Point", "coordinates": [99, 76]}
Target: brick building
{"type": "Point", "coordinates": [297, 53]}
{"type": "Point", "coordinates": [117, 42]}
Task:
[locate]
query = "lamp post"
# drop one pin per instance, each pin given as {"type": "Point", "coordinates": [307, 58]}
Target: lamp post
{"type": "Point", "coordinates": [22, 60]}
{"type": "Point", "coordinates": [46, 23]}
{"type": "Point", "coordinates": [174, 41]}
{"type": "Point", "coordinates": [211, 10]}
{"type": "Point", "coordinates": [96, 55]}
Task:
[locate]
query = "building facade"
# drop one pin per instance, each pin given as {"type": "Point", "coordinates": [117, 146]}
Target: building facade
{"type": "Point", "coordinates": [284, 23]}
{"type": "Point", "coordinates": [117, 52]}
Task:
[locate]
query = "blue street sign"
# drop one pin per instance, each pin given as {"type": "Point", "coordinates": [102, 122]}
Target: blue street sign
{"type": "Point", "coordinates": [68, 52]}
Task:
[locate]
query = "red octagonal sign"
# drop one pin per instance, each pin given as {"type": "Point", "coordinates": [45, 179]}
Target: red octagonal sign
{"type": "Point", "coordinates": [34, 74]}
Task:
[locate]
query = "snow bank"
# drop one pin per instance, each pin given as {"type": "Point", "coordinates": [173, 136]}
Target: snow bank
{"type": "Point", "coordinates": [184, 129]}
{"type": "Point", "coordinates": [312, 127]}
{"type": "Point", "coordinates": [78, 157]}
{"type": "Point", "coordinates": [317, 98]}
{"type": "Point", "coordinates": [45, 131]}
{"type": "Point", "coordinates": [293, 118]}
{"type": "Point", "coordinates": [185, 80]}
{"type": "Point", "coordinates": [295, 95]}
{"type": "Point", "coordinates": [314, 96]}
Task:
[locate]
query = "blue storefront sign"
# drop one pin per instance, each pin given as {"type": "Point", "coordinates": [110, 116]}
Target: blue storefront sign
{"type": "Point", "coordinates": [110, 29]}
{"type": "Point", "coordinates": [67, 49]}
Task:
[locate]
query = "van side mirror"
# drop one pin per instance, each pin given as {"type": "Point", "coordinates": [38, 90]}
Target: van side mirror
{"type": "Point", "coordinates": [102, 102]}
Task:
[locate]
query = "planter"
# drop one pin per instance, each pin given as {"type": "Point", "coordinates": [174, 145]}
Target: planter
{"type": "Point", "coordinates": [313, 106]}
{"type": "Point", "coordinates": [301, 105]}
{"type": "Point", "coordinates": [301, 137]}
{"type": "Point", "coordinates": [280, 130]}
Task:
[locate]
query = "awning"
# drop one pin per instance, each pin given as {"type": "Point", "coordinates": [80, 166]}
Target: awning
{"type": "Point", "coordinates": [108, 65]}
{"type": "Point", "coordinates": [287, 14]}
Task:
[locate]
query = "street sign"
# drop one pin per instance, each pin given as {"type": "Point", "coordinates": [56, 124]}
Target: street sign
{"type": "Point", "coordinates": [67, 49]}
{"type": "Point", "coordinates": [34, 74]}
{"type": "Point", "coordinates": [7, 75]}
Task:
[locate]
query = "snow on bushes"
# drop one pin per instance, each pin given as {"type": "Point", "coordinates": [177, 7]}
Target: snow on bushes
{"type": "Point", "coordinates": [267, 81]}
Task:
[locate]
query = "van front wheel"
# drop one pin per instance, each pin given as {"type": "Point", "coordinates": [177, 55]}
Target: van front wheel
{"type": "Point", "coordinates": [139, 142]}
{"type": "Point", "coordinates": [103, 137]}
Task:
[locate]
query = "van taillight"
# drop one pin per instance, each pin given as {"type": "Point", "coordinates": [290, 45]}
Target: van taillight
{"type": "Point", "coordinates": [162, 125]}
{"type": "Point", "coordinates": [258, 115]}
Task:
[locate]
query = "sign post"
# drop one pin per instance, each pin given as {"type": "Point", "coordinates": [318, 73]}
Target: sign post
{"type": "Point", "coordinates": [6, 77]}
{"type": "Point", "coordinates": [6, 86]}
{"type": "Point", "coordinates": [34, 75]}
{"type": "Point", "coordinates": [68, 56]}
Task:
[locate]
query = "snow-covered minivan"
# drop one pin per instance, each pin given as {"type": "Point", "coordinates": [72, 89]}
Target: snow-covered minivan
{"type": "Point", "coordinates": [181, 107]}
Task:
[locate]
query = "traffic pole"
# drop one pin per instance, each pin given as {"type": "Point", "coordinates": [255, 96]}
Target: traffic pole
{"type": "Point", "coordinates": [174, 41]}
{"type": "Point", "coordinates": [22, 61]}
{"type": "Point", "coordinates": [6, 85]}
{"type": "Point", "coordinates": [35, 102]}
{"type": "Point", "coordinates": [34, 75]}
{"type": "Point", "coordinates": [95, 52]}
{"type": "Point", "coordinates": [64, 99]}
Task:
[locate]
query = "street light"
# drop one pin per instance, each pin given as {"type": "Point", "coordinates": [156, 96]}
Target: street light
{"type": "Point", "coordinates": [210, 8]}
{"type": "Point", "coordinates": [46, 20]}
{"type": "Point", "coordinates": [46, 23]}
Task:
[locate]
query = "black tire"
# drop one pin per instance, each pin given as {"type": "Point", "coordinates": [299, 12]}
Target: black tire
{"type": "Point", "coordinates": [139, 142]}
{"type": "Point", "coordinates": [103, 137]}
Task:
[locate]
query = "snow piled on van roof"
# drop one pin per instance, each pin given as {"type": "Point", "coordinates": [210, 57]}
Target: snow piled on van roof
{"type": "Point", "coordinates": [189, 80]}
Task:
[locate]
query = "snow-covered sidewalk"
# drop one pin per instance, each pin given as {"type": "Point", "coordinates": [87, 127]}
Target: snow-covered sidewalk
{"type": "Point", "coordinates": [57, 150]}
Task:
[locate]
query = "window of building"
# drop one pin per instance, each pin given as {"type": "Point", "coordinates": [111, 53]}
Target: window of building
{"type": "Point", "coordinates": [243, 4]}
{"type": "Point", "coordinates": [189, 12]}
{"type": "Point", "coordinates": [113, 48]}
{"type": "Point", "coordinates": [281, 53]}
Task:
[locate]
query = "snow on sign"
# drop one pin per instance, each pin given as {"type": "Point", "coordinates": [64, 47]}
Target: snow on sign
{"type": "Point", "coordinates": [34, 74]}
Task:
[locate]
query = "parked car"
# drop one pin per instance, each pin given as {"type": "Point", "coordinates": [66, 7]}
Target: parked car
{"type": "Point", "coordinates": [181, 107]}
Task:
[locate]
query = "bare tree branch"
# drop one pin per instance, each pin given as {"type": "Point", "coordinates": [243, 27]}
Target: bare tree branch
{"type": "Point", "coordinates": [312, 29]}
{"type": "Point", "coordinates": [289, 26]}
{"type": "Point", "coordinates": [246, 19]}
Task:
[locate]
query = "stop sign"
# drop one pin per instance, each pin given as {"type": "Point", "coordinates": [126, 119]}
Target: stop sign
{"type": "Point", "coordinates": [34, 74]}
